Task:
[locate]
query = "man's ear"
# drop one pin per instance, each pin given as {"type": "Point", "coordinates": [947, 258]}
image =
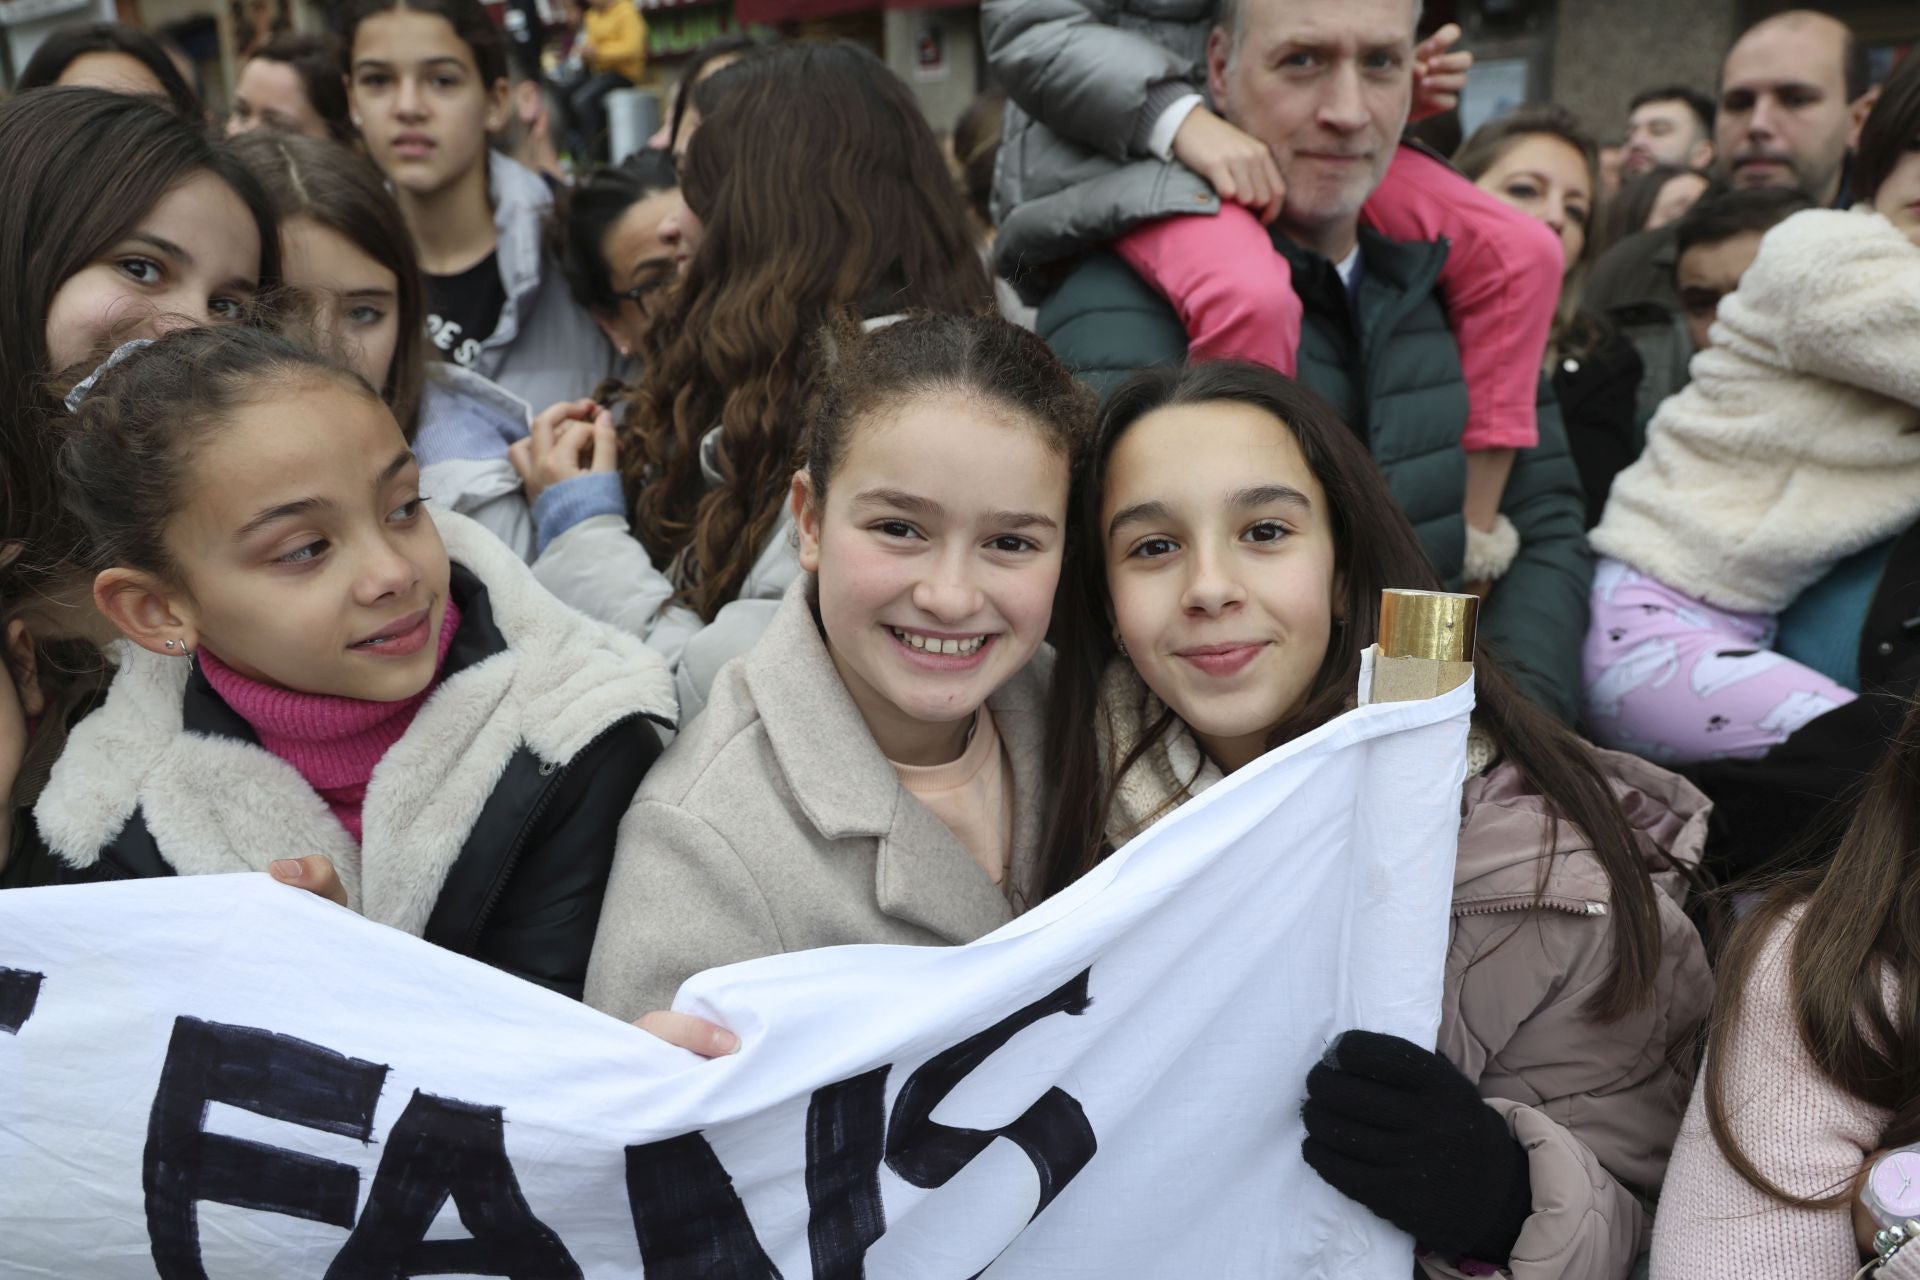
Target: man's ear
{"type": "Point", "coordinates": [1219, 55]}
{"type": "Point", "coordinates": [806, 520]}
{"type": "Point", "coordinates": [1857, 116]}
{"type": "Point", "coordinates": [1700, 155]}
{"type": "Point", "coordinates": [146, 611]}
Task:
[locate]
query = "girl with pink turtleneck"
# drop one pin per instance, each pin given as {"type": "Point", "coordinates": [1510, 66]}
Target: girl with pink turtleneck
{"type": "Point", "coordinates": [321, 679]}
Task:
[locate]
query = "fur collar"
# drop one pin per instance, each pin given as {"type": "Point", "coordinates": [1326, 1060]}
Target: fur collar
{"type": "Point", "coordinates": [222, 804]}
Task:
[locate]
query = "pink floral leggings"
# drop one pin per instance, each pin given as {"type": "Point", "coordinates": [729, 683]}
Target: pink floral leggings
{"type": "Point", "coordinates": [1676, 680]}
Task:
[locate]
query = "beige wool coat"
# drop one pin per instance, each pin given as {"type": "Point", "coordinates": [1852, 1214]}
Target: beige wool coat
{"type": "Point", "coordinates": [775, 824]}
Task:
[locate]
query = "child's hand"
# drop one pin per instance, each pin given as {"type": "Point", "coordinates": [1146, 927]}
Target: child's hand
{"type": "Point", "coordinates": [1438, 76]}
{"type": "Point", "coordinates": [568, 439]}
{"type": "Point", "coordinates": [684, 1031]}
{"type": "Point", "coordinates": [1239, 166]}
{"type": "Point", "coordinates": [313, 873]}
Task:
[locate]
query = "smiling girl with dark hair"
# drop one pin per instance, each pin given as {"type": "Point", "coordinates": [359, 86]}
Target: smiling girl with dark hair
{"type": "Point", "coordinates": [1233, 542]}
{"type": "Point", "coordinates": [871, 770]}
{"type": "Point", "coordinates": [404, 710]}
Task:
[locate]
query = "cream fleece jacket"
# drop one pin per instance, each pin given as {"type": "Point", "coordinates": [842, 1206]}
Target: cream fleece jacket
{"type": "Point", "coordinates": [1798, 441]}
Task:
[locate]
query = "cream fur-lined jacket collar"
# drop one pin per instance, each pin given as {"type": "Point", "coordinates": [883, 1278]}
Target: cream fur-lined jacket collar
{"type": "Point", "coordinates": [216, 804]}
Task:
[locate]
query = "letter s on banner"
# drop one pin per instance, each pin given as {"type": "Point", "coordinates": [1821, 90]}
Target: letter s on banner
{"type": "Point", "coordinates": [1054, 1132]}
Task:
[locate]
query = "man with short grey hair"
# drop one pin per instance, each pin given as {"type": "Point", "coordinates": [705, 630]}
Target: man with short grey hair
{"type": "Point", "coordinates": [1327, 86]}
{"type": "Point", "coordinates": [1323, 88]}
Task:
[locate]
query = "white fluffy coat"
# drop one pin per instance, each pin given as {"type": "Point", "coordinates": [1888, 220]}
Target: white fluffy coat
{"type": "Point", "coordinates": [217, 805]}
{"type": "Point", "coordinates": [1798, 441]}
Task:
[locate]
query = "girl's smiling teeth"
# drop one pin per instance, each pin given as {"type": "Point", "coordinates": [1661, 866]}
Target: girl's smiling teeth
{"type": "Point", "coordinates": [954, 645]}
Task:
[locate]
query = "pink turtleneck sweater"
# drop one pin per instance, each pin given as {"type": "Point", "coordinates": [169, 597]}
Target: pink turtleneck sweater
{"type": "Point", "coordinates": [334, 743]}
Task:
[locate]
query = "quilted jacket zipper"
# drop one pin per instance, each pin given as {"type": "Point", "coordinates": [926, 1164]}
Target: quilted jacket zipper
{"type": "Point", "coordinates": [1526, 902]}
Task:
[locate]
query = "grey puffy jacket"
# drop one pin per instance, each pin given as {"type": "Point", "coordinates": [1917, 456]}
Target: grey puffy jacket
{"type": "Point", "coordinates": [545, 348]}
{"type": "Point", "coordinates": [1087, 80]}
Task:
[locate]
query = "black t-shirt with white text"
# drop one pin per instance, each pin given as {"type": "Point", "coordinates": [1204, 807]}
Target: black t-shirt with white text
{"type": "Point", "coordinates": [463, 309]}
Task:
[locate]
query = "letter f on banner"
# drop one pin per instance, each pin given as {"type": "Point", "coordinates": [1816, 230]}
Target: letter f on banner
{"type": "Point", "coordinates": [270, 1075]}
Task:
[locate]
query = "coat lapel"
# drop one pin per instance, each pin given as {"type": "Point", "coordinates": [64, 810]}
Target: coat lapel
{"type": "Point", "coordinates": [1019, 713]}
{"type": "Point", "coordinates": [925, 876]}
{"type": "Point", "coordinates": [922, 873]}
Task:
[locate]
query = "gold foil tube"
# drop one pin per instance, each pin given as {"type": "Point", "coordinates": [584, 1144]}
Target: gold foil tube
{"type": "Point", "coordinates": [1434, 625]}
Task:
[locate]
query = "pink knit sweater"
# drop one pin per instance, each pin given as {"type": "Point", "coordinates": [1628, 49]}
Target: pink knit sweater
{"type": "Point", "coordinates": [1797, 1128]}
{"type": "Point", "coordinates": [333, 742]}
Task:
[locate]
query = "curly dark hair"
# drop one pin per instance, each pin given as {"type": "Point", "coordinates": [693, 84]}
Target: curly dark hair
{"type": "Point", "coordinates": [847, 207]}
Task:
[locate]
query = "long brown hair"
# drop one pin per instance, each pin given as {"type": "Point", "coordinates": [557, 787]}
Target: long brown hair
{"type": "Point", "coordinates": [1575, 332]}
{"type": "Point", "coordinates": [1374, 548]}
{"type": "Point", "coordinates": [80, 168]}
{"type": "Point", "coordinates": [1858, 932]}
{"type": "Point", "coordinates": [343, 191]}
{"type": "Point", "coordinates": [1891, 129]}
{"type": "Point", "coordinates": [822, 192]}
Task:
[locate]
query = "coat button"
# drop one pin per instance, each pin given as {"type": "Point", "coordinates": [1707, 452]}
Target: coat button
{"type": "Point", "coordinates": [1886, 648]}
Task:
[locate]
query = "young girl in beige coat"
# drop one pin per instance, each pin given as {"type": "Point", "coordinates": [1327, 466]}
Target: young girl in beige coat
{"type": "Point", "coordinates": [870, 771]}
{"type": "Point", "coordinates": [1237, 539]}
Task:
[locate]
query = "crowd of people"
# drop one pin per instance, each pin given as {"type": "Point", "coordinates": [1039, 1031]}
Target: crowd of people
{"type": "Point", "coordinates": [812, 531]}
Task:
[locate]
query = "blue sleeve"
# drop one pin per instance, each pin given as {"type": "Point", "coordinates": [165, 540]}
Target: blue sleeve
{"type": "Point", "coordinates": [564, 505]}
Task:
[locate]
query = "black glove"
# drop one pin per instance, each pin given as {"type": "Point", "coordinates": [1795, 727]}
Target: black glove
{"type": "Point", "coordinates": [1399, 1129]}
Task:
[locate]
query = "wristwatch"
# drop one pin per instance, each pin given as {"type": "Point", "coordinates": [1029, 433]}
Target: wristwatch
{"type": "Point", "coordinates": [1892, 1192]}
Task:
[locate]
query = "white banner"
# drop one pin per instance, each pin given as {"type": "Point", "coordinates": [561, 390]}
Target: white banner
{"type": "Point", "coordinates": [224, 1077]}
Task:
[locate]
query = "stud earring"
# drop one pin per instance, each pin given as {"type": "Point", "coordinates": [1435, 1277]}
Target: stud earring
{"type": "Point", "coordinates": [173, 644]}
{"type": "Point", "coordinates": [1119, 643]}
